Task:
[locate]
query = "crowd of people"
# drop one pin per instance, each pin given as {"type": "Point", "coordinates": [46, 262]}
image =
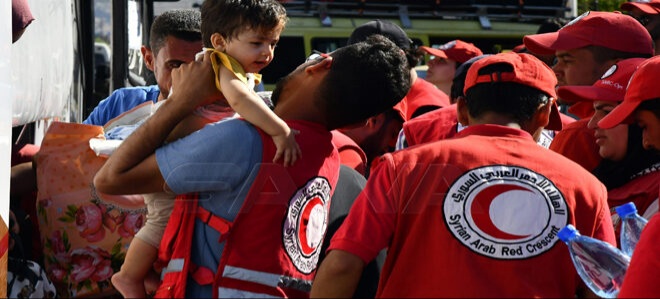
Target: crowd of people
{"type": "Point", "coordinates": [357, 178]}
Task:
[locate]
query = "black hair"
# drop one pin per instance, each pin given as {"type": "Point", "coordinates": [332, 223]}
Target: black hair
{"type": "Point", "coordinates": [413, 56]}
{"type": "Point", "coordinates": [615, 174]}
{"type": "Point", "coordinates": [652, 105]}
{"type": "Point", "coordinates": [459, 78]}
{"type": "Point", "coordinates": [230, 17]}
{"type": "Point", "coordinates": [180, 23]}
{"type": "Point", "coordinates": [365, 79]}
{"type": "Point", "coordinates": [516, 100]}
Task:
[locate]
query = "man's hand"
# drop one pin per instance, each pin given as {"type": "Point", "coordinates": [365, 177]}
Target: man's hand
{"type": "Point", "coordinates": [195, 80]}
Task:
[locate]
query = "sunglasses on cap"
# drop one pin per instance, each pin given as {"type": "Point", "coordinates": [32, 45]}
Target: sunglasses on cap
{"type": "Point", "coordinates": [316, 55]}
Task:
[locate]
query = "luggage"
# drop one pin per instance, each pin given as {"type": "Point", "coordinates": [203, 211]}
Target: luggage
{"type": "Point", "coordinates": [85, 234]}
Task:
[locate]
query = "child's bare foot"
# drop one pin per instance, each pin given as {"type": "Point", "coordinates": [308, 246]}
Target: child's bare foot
{"type": "Point", "coordinates": [151, 282]}
{"type": "Point", "coordinates": [127, 287]}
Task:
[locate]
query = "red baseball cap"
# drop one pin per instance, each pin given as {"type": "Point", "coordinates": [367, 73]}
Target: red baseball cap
{"type": "Point", "coordinates": [643, 86]}
{"type": "Point", "coordinates": [612, 30]}
{"type": "Point", "coordinates": [610, 87]}
{"type": "Point", "coordinates": [648, 7]}
{"type": "Point", "coordinates": [527, 70]}
{"type": "Point", "coordinates": [519, 48]}
{"type": "Point", "coordinates": [456, 50]}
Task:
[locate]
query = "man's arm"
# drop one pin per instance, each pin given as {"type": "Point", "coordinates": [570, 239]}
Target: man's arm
{"type": "Point", "coordinates": [133, 169]}
{"type": "Point", "coordinates": [338, 275]}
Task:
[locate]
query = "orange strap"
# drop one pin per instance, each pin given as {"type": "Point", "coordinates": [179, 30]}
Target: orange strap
{"type": "Point", "coordinates": [201, 275]}
{"type": "Point", "coordinates": [217, 223]}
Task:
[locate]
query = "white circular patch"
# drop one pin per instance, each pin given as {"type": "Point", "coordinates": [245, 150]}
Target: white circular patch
{"type": "Point", "coordinates": [305, 224]}
{"type": "Point", "coordinates": [505, 212]}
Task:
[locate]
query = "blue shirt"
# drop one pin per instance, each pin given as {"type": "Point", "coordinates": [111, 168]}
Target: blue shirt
{"type": "Point", "coordinates": [220, 161]}
{"type": "Point", "coordinates": [120, 101]}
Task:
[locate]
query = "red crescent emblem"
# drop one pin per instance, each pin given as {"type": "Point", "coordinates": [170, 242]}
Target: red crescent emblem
{"type": "Point", "coordinates": [481, 206]}
{"type": "Point", "coordinates": [304, 225]}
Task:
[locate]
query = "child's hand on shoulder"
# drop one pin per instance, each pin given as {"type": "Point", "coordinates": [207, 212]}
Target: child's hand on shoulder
{"type": "Point", "coordinates": [287, 148]}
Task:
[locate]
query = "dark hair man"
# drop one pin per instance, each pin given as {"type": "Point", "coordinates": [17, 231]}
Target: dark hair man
{"type": "Point", "coordinates": [235, 190]}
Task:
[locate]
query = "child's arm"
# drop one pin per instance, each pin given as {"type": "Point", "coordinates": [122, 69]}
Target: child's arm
{"type": "Point", "coordinates": [248, 104]}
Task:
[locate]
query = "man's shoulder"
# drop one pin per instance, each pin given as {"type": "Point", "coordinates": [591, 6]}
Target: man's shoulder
{"type": "Point", "coordinates": [120, 101]}
{"type": "Point", "coordinates": [340, 140]}
{"type": "Point", "coordinates": [129, 97]}
{"type": "Point", "coordinates": [136, 92]}
{"type": "Point", "coordinates": [568, 172]}
{"type": "Point", "coordinates": [236, 128]}
{"type": "Point", "coordinates": [445, 115]}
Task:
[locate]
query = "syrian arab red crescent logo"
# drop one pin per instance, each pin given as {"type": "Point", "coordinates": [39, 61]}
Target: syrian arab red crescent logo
{"type": "Point", "coordinates": [305, 224]}
{"type": "Point", "coordinates": [311, 226]}
{"type": "Point", "coordinates": [505, 212]}
{"type": "Point", "coordinates": [480, 211]}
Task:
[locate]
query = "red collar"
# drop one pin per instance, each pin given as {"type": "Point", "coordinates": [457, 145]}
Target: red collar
{"type": "Point", "coordinates": [494, 130]}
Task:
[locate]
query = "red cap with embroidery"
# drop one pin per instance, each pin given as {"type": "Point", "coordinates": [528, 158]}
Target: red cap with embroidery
{"type": "Point", "coordinates": [527, 70]}
{"type": "Point", "coordinates": [643, 86]}
{"type": "Point", "coordinates": [610, 87]}
{"type": "Point", "coordinates": [612, 30]}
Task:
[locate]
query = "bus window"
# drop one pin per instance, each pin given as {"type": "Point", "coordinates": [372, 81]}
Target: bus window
{"type": "Point", "coordinates": [328, 44]}
{"type": "Point", "coordinates": [102, 68]}
{"type": "Point", "coordinates": [289, 54]}
{"type": "Point", "coordinates": [102, 50]}
{"type": "Point", "coordinates": [137, 71]}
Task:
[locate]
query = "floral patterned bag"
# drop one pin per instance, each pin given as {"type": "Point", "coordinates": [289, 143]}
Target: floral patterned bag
{"type": "Point", "coordinates": [85, 235]}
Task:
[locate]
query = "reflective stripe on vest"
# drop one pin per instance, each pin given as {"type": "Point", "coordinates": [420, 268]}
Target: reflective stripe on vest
{"type": "Point", "coordinates": [234, 293]}
{"type": "Point", "coordinates": [267, 279]}
{"type": "Point", "coordinates": [174, 265]}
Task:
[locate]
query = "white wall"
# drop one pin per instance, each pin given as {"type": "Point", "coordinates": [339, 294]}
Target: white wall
{"type": "Point", "coordinates": [5, 112]}
{"type": "Point", "coordinates": [43, 62]}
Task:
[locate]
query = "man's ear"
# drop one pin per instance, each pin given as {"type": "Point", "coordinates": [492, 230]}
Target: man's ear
{"type": "Point", "coordinates": [375, 122]}
{"type": "Point", "coordinates": [462, 111]}
{"type": "Point", "coordinates": [542, 116]}
{"type": "Point", "coordinates": [148, 57]}
{"type": "Point", "coordinates": [218, 42]}
{"type": "Point", "coordinates": [323, 65]}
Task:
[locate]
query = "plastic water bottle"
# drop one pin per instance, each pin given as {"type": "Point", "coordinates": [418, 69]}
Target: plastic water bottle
{"type": "Point", "coordinates": [631, 227]}
{"type": "Point", "coordinates": [600, 265]}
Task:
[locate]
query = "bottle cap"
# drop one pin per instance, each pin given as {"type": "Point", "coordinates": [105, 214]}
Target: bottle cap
{"type": "Point", "coordinates": [568, 233]}
{"type": "Point", "coordinates": [625, 210]}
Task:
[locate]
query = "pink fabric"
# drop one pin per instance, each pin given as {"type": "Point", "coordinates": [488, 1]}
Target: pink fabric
{"type": "Point", "coordinates": [21, 16]}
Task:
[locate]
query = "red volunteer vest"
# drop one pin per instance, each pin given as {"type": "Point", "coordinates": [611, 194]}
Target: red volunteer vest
{"type": "Point", "coordinates": [350, 153]}
{"type": "Point", "coordinates": [273, 245]}
{"type": "Point", "coordinates": [421, 94]}
{"type": "Point", "coordinates": [443, 201]}
{"type": "Point", "coordinates": [643, 191]}
{"type": "Point", "coordinates": [577, 142]}
{"type": "Point", "coordinates": [432, 126]}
